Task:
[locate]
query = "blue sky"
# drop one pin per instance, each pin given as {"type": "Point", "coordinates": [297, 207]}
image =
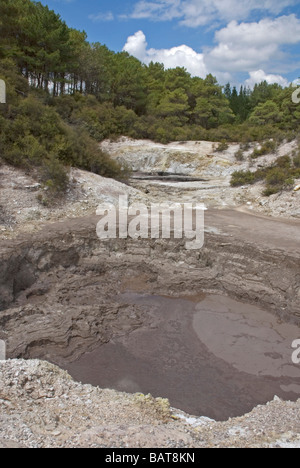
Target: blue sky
{"type": "Point", "coordinates": [240, 41]}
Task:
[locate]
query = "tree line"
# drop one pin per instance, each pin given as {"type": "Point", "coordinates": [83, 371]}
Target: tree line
{"type": "Point", "coordinates": [60, 61]}
{"type": "Point", "coordinates": [90, 90]}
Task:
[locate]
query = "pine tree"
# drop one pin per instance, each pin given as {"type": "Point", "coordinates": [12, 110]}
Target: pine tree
{"type": "Point", "coordinates": [228, 91]}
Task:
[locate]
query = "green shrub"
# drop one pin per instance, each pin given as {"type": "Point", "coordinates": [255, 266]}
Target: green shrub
{"type": "Point", "coordinates": [276, 177]}
{"type": "Point", "coordinates": [280, 176]}
{"type": "Point", "coordinates": [296, 160]}
{"type": "Point", "coordinates": [284, 162]}
{"type": "Point", "coordinates": [271, 191]}
{"type": "Point", "coordinates": [223, 146]}
{"type": "Point", "coordinates": [239, 155]}
{"type": "Point", "coordinates": [34, 135]}
{"type": "Point", "coordinates": [268, 147]}
{"type": "Point", "coordinates": [245, 146]}
{"type": "Point", "coordinates": [283, 184]}
{"type": "Point", "coordinates": [240, 178]}
{"type": "Point", "coordinates": [54, 176]}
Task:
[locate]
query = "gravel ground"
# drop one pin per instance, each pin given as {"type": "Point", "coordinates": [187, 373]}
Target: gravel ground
{"type": "Point", "coordinates": [42, 407]}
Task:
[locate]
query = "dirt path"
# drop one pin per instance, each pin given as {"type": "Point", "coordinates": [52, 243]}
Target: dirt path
{"type": "Point", "coordinates": [273, 233]}
{"type": "Point", "coordinates": [251, 227]}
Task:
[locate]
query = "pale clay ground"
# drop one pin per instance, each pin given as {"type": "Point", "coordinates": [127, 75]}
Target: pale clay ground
{"type": "Point", "coordinates": [199, 159]}
{"type": "Point", "coordinates": [24, 205]}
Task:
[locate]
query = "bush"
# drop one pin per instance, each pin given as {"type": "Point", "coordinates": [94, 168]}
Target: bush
{"type": "Point", "coordinates": [245, 146]}
{"type": "Point", "coordinates": [54, 176]}
{"type": "Point", "coordinates": [34, 135]}
{"type": "Point", "coordinates": [239, 155]}
{"type": "Point", "coordinates": [284, 162]}
{"type": "Point", "coordinates": [296, 160]}
{"type": "Point", "coordinates": [223, 146]}
{"type": "Point", "coordinates": [79, 150]}
{"type": "Point", "coordinates": [268, 147]}
{"type": "Point", "coordinates": [276, 177]}
{"type": "Point", "coordinates": [271, 191]}
{"type": "Point", "coordinates": [240, 178]}
{"type": "Point", "coordinates": [279, 176]}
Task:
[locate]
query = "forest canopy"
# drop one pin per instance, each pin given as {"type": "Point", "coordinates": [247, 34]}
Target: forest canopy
{"type": "Point", "coordinates": [66, 94]}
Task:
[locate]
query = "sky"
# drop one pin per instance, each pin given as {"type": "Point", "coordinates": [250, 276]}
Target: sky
{"type": "Point", "coordinates": [239, 41]}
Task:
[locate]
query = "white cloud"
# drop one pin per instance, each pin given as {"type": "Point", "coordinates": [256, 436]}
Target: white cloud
{"type": "Point", "coordinates": [161, 10]}
{"type": "Point", "coordinates": [253, 46]}
{"type": "Point", "coordinates": [258, 76]}
{"type": "Point", "coordinates": [102, 17]}
{"type": "Point", "coordinates": [237, 58]}
{"type": "Point", "coordinates": [282, 30]}
{"type": "Point", "coordinates": [193, 13]}
{"type": "Point", "coordinates": [136, 45]}
{"type": "Point", "coordinates": [181, 56]}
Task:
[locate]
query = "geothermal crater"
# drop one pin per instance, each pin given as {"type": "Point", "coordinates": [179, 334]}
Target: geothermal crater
{"type": "Point", "coordinates": [211, 330]}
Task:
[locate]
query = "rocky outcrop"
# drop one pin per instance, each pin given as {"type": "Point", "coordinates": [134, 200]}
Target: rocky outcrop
{"type": "Point", "coordinates": [188, 161]}
{"type": "Point", "coordinates": [191, 158]}
{"type": "Point", "coordinates": [42, 407]}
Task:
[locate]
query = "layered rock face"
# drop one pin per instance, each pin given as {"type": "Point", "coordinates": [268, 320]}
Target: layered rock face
{"type": "Point", "coordinates": [195, 170]}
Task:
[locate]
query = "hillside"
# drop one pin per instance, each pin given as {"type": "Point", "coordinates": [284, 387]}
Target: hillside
{"type": "Point", "coordinates": [207, 174]}
{"type": "Point", "coordinates": [26, 204]}
{"type": "Point", "coordinates": [65, 94]}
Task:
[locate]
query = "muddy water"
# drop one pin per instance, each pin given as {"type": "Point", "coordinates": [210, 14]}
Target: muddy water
{"type": "Point", "coordinates": [210, 356]}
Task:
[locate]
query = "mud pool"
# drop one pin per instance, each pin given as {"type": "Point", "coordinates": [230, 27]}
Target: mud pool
{"type": "Point", "coordinates": [209, 355]}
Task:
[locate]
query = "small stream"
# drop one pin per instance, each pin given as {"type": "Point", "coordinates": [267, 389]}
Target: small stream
{"type": "Point", "coordinates": [211, 356]}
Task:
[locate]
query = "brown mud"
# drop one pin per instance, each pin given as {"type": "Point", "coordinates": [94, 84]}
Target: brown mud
{"type": "Point", "coordinates": [186, 354]}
